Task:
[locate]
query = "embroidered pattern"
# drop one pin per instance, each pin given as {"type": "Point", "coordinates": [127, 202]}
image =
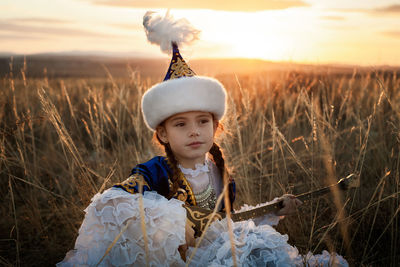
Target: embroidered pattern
{"type": "Point", "coordinates": [191, 200]}
{"type": "Point", "coordinates": [132, 184]}
{"type": "Point", "coordinates": [181, 195]}
{"type": "Point", "coordinates": [179, 68]}
{"type": "Point", "coordinates": [185, 193]}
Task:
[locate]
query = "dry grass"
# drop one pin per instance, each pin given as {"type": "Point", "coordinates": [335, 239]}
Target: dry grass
{"type": "Point", "coordinates": [62, 141]}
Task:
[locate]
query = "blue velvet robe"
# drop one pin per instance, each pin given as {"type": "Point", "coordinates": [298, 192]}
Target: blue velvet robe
{"type": "Point", "coordinates": [154, 175]}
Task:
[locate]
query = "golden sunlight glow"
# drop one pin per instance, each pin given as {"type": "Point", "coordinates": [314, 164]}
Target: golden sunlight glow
{"type": "Point", "coordinates": [261, 46]}
{"type": "Point", "coordinates": [308, 33]}
{"type": "Point", "coordinates": [269, 35]}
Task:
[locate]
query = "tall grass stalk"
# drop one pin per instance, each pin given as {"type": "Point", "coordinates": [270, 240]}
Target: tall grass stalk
{"type": "Point", "coordinates": [290, 131]}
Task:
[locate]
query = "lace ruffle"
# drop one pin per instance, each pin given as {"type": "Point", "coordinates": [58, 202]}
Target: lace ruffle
{"type": "Point", "coordinates": [110, 212]}
{"type": "Point", "coordinates": [199, 168]}
{"type": "Point", "coordinates": [255, 245]}
{"type": "Point", "coordinates": [325, 259]}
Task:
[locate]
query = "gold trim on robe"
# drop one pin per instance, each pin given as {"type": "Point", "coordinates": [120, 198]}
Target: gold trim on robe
{"type": "Point", "coordinates": [132, 181]}
{"type": "Point", "coordinates": [185, 193]}
{"type": "Point", "coordinates": [188, 188]}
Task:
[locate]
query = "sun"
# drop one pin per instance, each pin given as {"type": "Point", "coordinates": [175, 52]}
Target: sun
{"type": "Point", "coordinates": [265, 46]}
{"type": "Point", "coordinates": [263, 35]}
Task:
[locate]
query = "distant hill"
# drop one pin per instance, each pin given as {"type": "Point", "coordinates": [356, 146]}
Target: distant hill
{"type": "Point", "coordinates": [6, 54]}
{"type": "Point", "coordinates": [67, 66]}
{"type": "Point", "coordinates": [93, 66]}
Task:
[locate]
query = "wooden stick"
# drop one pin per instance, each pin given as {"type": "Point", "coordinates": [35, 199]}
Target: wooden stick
{"type": "Point", "coordinates": [199, 217]}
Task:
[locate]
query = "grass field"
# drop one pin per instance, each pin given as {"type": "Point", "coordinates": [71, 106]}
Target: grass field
{"type": "Point", "coordinates": [289, 129]}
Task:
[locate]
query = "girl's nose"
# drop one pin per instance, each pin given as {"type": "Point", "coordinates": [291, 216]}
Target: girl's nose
{"type": "Point", "coordinates": [194, 131]}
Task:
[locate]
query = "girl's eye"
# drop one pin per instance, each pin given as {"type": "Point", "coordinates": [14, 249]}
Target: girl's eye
{"type": "Point", "coordinates": [180, 124]}
{"type": "Point", "coordinates": [204, 121]}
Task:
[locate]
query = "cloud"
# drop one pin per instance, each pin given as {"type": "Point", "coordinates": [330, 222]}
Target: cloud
{"type": "Point", "coordinates": [394, 34]}
{"type": "Point", "coordinates": [385, 10]}
{"type": "Point", "coordinates": [128, 26]}
{"type": "Point", "coordinates": [232, 5]}
{"type": "Point", "coordinates": [8, 37]}
{"type": "Point", "coordinates": [39, 20]}
{"type": "Point", "coordinates": [388, 9]}
{"type": "Point", "coordinates": [392, 10]}
{"type": "Point", "coordinates": [335, 18]}
{"type": "Point", "coordinates": [58, 31]}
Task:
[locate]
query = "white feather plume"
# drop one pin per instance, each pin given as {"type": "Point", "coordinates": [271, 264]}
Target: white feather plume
{"type": "Point", "coordinates": [164, 30]}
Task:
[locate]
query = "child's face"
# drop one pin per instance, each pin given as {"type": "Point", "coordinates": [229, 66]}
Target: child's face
{"type": "Point", "coordinates": [190, 135]}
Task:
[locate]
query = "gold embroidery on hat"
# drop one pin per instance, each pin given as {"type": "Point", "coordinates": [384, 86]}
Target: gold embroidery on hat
{"type": "Point", "coordinates": [180, 69]}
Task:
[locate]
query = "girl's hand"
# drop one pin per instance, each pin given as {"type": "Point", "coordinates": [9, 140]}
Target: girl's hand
{"type": "Point", "coordinates": [289, 203]}
{"type": "Point", "coordinates": [189, 236]}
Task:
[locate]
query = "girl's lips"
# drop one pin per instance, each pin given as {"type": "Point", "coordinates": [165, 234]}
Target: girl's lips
{"type": "Point", "coordinates": [195, 144]}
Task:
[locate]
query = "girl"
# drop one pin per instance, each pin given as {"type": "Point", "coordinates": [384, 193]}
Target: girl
{"type": "Point", "coordinates": [142, 221]}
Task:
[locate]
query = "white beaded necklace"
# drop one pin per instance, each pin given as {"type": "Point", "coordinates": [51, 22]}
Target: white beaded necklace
{"type": "Point", "coordinates": [205, 198]}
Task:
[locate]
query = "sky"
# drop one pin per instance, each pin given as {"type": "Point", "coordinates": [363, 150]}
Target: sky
{"type": "Point", "coordinates": [362, 32]}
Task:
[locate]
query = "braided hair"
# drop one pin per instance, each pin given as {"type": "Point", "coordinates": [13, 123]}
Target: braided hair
{"type": "Point", "coordinates": [219, 161]}
{"type": "Point", "coordinates": [173, 163]}
{"type": "Point", "coordinates": [217, 157]}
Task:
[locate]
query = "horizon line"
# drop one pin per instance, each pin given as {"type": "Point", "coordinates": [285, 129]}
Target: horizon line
{"type": "Point", "coordinates": [134, 55]}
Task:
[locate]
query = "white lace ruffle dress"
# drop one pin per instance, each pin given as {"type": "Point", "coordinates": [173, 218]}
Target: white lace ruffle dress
{"type": "Point", "coordinates": [257, 242]}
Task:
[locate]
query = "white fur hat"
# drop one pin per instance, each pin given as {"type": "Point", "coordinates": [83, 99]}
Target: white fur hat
{"type": "Point", "coordinates": [181, 91]}
{"type": "Point", "coordinates": [185, 94]}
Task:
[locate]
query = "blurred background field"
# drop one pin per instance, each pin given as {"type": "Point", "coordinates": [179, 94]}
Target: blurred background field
{"type": "Point", "coordinates": [70, 127]}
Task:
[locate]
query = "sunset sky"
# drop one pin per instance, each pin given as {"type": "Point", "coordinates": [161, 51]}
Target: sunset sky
{"type": "Point", "coordinates": [365, 32]}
